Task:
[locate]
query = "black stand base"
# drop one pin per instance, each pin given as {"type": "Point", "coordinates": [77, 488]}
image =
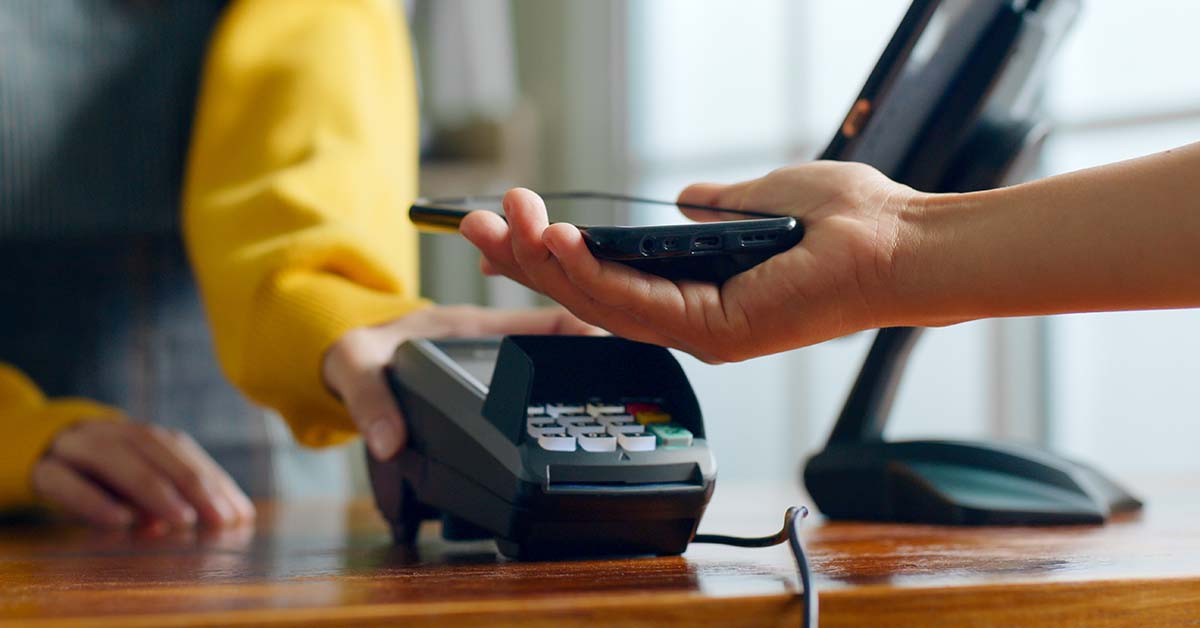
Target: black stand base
{"type": "Point", "coordinates": [959, 483]}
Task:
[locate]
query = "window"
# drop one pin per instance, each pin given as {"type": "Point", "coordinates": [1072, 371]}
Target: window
{"type": "Point", "coordinates": [727, 90]}
{"type": "Point", "coordinates": [1123, 386]}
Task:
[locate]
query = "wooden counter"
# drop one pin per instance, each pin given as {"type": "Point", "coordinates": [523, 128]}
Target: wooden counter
{"type": "Point", "coordinates": [331, 564]}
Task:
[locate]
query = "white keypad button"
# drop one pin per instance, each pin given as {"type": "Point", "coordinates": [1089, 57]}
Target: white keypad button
{"type": "Point", "coordinates": [540, 421]}
{"type": "Point", "coordinates": [597, 442]}
{"type": "Point", "coordinates": [625, 428]}
{"type": "Point", "coordinates": [557, 442]}
{"type": "Point", "coordinates": [573, 419]}
{"type": "Point", "coordinates": [585, 428]}
{"type": "Point", "coordinates": [558, 409]}
{"type": "Point", "coordinates": [636, 442]}
{"type": "Point", "coordinates": [609, 419]}
{"type": "Point", "coordinates": [535, 411]}
{"type": "Point", "coordinates": [538, 431]}
{"type": "Point", "coordinates": [597, 409]}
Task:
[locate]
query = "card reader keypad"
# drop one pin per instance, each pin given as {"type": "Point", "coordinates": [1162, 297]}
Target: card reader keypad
{"type": "Point", "coordinates": [598, 426]}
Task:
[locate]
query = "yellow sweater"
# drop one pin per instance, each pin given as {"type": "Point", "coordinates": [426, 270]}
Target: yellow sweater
{"type": "Point", "coordinates": [302, 165]}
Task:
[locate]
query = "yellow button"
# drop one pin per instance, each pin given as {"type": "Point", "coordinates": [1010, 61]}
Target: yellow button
{"type": "Point", "coordinates": [648, 417]}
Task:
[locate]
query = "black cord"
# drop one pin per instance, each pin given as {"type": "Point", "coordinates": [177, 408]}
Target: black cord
{"type": "Point", "coordinates": [790, 533]}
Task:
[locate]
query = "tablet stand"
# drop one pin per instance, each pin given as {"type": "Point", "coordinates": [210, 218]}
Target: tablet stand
{"type": "Point", "coordinates": [859, 475]}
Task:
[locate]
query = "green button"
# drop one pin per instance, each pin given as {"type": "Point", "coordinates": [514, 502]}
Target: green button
{"type": "Point", "coordinates": [671, 434]}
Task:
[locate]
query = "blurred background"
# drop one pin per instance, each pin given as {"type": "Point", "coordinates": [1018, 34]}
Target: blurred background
{"type": "Point", "coordinates": [647, 96]}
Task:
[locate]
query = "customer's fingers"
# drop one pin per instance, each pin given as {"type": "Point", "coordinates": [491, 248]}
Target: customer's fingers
{"type": "Point", "coordinates": [67, 489]}
{"type": "Point", "coordinates": [676, 310]}
{"type": "Point", "coordinates": [106, 457]}
{"type": "Point", "coordinates": [527, 222]}
{"type": "Point", "coordinates": [490, 234]}
{"type": "Point", "coordinates": [730, 196]}
{"type": "Point", "coordinates": [206, 486]}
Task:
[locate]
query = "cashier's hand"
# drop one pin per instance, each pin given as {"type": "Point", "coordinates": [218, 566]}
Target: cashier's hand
{"type": "Point", "coordinates": [353, 366]}
{"type": "Point", "coordinates": [117, 474]}
{"type": "Point", "coordinates": [835, 282]}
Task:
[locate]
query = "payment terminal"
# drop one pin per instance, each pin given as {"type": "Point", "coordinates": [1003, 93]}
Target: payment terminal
{"type": "Point", "coordinates": [563, 446]}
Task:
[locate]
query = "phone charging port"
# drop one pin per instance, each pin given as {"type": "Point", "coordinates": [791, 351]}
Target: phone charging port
{"type": "Point", "coordinates": [758, 239]}
{"type": "Point", "coordinates": [706, 242]}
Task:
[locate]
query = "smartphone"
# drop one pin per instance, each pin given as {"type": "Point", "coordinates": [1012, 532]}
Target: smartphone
{"type": "Point", "coordinates": [675, 249]}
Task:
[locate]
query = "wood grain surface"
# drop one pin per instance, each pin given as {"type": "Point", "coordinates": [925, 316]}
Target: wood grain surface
{"type": "Point", "coordinates": [329, 564]}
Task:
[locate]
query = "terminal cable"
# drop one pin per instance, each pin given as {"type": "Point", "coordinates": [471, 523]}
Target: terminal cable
{"type": "Point", "coordinates": [791, 534]}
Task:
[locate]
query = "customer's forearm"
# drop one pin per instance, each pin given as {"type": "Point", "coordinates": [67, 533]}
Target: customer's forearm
{"type": "Point", "coordinates": [1119, 237]}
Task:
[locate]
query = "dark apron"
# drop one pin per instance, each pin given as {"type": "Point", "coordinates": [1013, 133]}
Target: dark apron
{"type": "Point", "coordinates": [117, 320]}
{"type": "Point", "coordinates": [96, 296]}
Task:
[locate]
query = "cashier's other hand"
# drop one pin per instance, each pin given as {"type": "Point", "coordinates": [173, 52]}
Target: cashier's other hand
{"type": "Point", "coordinates": [114, 474]}
{"type": "Point", "coordinates": [353, 367]}
{"type": "Point", "coordinates": [836, 281]}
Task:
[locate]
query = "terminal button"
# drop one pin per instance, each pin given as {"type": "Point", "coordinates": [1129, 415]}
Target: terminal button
{"type": "Point", "coordinates": [585, 428]}
{"type": "Point", "coordinates": [652, 416]}
{"type": "Point", "coordinates": [538, 431]}
{"type": "Point", "coordinates": [625, 428]}
{"type": "Point", "coordinates": [597, 409]}
{"type": "Point", "coordinates": [597, 441]}
{"type": "Point", "coordinates": [558, 409]}
{"type": "Point", "coordinates": [555, 442]}
{"type": "Point", "coordinates": [610, 419]}
{"type": "Point", "coordinates": [671, 435]}
{"type": "Point", "coordinates": [634, 408]}
{"type": "Point", "coordinates": [636, 442]}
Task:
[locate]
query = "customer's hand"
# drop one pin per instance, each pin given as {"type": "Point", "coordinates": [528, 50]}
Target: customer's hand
{"type": "Point", "coordinates": [353, 366]}
{"type": "Point", "coordinates": [116, 474]}
{"type": "Point", "coordinates": [838, 280]}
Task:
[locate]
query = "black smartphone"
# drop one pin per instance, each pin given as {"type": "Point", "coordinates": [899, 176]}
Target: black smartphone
{"type": "Point", "coordinates": [698, 251]}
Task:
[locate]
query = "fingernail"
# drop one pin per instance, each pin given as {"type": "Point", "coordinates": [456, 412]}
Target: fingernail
{"type": "Point", "coordinates": [248, 512]}
{"type": "Point", "coordinates": [382, 439]}
{"type": "Point", "coordinates": [185, 515]}
{"type": "Point", "coordinates": [549, 242]}
{"type": "Point", "coordinates": [121, 517]}
{"type": "Point", "coordinates": [224, 509]}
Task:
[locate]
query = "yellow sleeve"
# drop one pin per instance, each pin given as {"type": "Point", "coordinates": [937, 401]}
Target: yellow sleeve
{"type": "Point", "coordinates": [28, 422]}
{"type": "Point", "coordinates": [302, 166]}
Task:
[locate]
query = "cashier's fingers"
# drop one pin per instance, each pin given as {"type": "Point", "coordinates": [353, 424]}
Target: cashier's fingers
{"type": "Point", "coordinates": [354, 370]}
{"type": "Point", "coordinates": [100, 451]}
{"type": "Point", "coordinates": [59, 484]}
{"type": "Point", "coordinates": [201, 481]}
{"type": "Point", "coordinates": [374, 411]}
{"type": "Point", "coordinates": [541, 321]}
{"type": "Point", "coordinates": [241, 503]}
